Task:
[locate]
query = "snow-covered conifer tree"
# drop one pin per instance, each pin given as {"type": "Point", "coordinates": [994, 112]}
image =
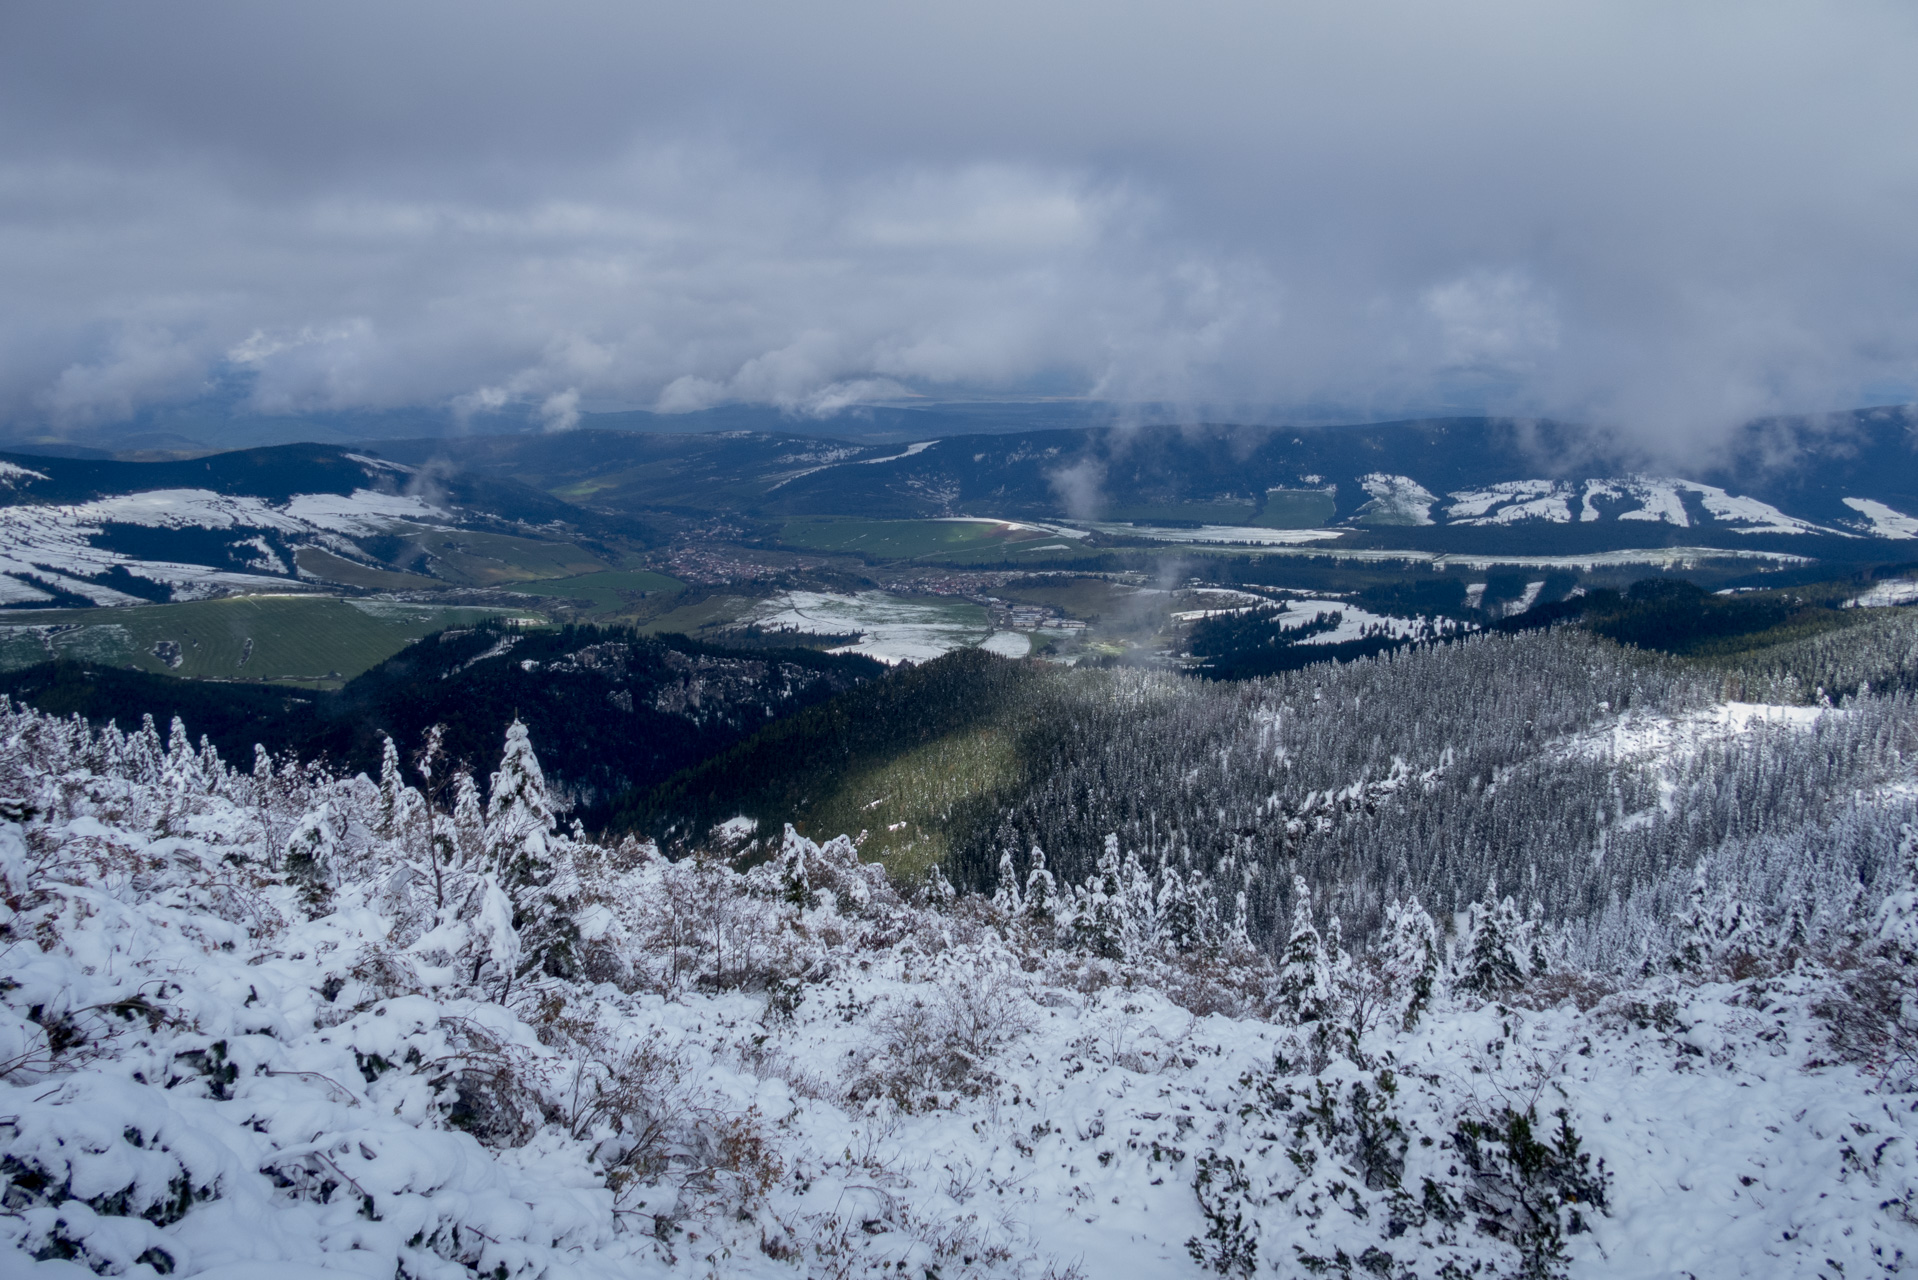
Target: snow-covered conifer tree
{"type": "Point", "coordinates": [1492, 959]}
{"type": "Point", "coordinates": [469, 821]}
{"type": "Point", "coordinates": [392, 783]}
{"type": "Point", "coordinates": [1177, 908]}
{"type": "Point", "coordinates": [795, 880]}
{"type": "Point", "coordinates": [1411, 961]}
{"type": "Point", "coordinates": [1338, 963]}
{"type": "Point", "coordinates": [1140, 931]}
{"type": "Point", "coordinates": [183, 781]}
{"type": "Point", "coordinates": [1305, 979]}
{"type": "Point", "coordinates": [1694, 928]}
{"type": "Point", "coordinates": [312, 855]}
{"type": "Point", "coordinates": [518, 854]}
{"type": "Point", "coordinates": [1007, 898]}
{"type": "Point", "coordinates": [1896, 924]}
{"type": "Point", "coordinates": [519, 812]}
{"type": "Point", "coordinates": [1042, 906]}
{"type": "Point", "coordinates": [1098, 917]}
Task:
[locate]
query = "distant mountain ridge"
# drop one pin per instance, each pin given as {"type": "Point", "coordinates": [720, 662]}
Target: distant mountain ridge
{"type": "Point", "coordinates": [1462, 484]}
{"type": "Point", "coordinates": [428, 514]}
{"type": "Point", "coordinates": [223, 422]}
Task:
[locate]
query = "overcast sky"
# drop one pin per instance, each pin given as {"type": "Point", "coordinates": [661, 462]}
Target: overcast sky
{"type": "Point", "coordinates": [1665, 217]}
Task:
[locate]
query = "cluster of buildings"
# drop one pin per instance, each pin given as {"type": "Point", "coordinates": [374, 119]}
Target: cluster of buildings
{"type": "Point", "coordinates": [1031, 617]}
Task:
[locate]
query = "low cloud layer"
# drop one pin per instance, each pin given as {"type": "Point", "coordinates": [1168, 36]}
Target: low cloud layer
{"type": "Point", "coordinates": [1665, 220]}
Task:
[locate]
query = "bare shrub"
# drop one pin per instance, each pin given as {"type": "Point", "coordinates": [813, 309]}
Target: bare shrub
{"type": "Point", "coordinates": [939, 1042]}
{"type": "Point", "coordinates": [491, 1096]}
{"type": "Point", "coordinates": [1556, 988]}
{"type": "Point", "coordinates": [760, 1058]}
{"type": "Point", "coordinates": [666, 1150]}
{"type": "Point", "coordinates": [883, 1236]}
{"type": "Point", "coordinates": [699, 928]}
{"type": "Point", "coordinates": [1209, 982]}
{"type": "Point", "coordinates": [1871, 1020]}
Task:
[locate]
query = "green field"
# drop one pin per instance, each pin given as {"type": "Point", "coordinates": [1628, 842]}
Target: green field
{"type": "Point", "coordinates": [689, 619]}
{"type": "Point", "coordinates": [331, 568]}
{"type": "Point", "coordinates": [907, 539]}
{"type": "Point", "coordinates": [1089, 599]}
{"type": "Point", "coordinates": [309, 639]}
{"type": "Point", "coordinates": [1047, 552]}
{"type": "Point", "coordinates": [492, 559]}
{"type": "Point", "coordinates": [1228, 512]}
{"type": "Point", "coordinates": [1296, 509]}
{"type": "Point", "coordinates": [611, 592]}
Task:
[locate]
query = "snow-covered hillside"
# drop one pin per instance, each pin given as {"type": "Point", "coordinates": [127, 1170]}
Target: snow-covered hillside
{"type": "Point", "coordinates": [251, 1019]}
{"type": "Point", "coordinates": [1655, 499]}
{"type": "Point", "coordinates": [71, 548]}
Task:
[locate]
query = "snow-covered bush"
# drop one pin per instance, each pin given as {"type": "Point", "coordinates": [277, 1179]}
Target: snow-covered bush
{"type": "Point", "coordinates": [412, 1027]}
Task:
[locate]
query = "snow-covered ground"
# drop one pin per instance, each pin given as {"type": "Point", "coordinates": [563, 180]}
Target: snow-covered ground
{"type": "Point", "coordinates": [1511, 502]}
{"type": "Point", "coordinates": [1356, 623]}
{"type": "Point", "coordinates": [1660, 500]}
{"type": "Point", "coordinates": [893, 628]}
{"type": "Point", "coordinates": [1897, 591]}
{"type": "Point", "coordinates": [55, 543]}
{"type": "Point", "coordinates": [1655, 738]}
{"type": "Point", "coordinates": [1219, 602]}
{"type": "Point", "coordinates": [1885, 521]}
{"type": "Point", "coordinates": [254, 1023]}
{"type": "Point", "coordinates": [1302, 609]}
{"type": "Point", "coordinates": [1663, 557]}
{"type": "Point", "coordinates": [1395, 500]}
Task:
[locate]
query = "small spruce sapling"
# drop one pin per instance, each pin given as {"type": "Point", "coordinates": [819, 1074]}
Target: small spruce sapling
{"type": "Point", "coordinates": [1305, 978]}
{"type": "Point", "coordinates": [1043, 906]}
{"type": "Point", "coordinates": [1411, 960]}
{"type": "Point", "coordinates": [1098, 924]}
{"type": "Point", "coordinates": [1495, 947]}
{"type": "Point", "coordinates": [1006, 898]}
{"type": "Point", "coordinates": [520, 855]}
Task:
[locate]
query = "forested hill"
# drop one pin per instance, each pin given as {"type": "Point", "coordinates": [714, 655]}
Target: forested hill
{"type": "Point", "coordinates": [613, 711]}
{"type": "Point", "coordinates": [1482, 484]}
{"type": "Point", "coordinates": [795, 768]}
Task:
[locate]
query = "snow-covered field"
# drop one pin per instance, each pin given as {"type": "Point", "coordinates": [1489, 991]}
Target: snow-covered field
{"type": "Point", "coordinates": [1897, 591]}
{"type": "Point", "coordinates": [1658, 500]}
{"type": "Point", "coordinates": [252, 1022]}
{"type": "Point", "coordinates": [1355, 623]}
{"type": "Point", "coordinates": [1019, 526]}
{"type": "Point", "coordinates": [893, 628]}
{"type": "Point", "coordinates": [1885, 521]}
{"type": "Point", "coordinates": [1395, 500]}
{"type": "Point", "coordinates": [1007, 644]}
{"type": "Point", "coordinates": [1654, 737]}
{"type": "Point", "coordinates": [1661, 557]}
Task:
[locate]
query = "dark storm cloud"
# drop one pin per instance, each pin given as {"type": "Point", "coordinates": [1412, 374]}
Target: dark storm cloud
{"type": "Point", "coordinates": [1661, 217]}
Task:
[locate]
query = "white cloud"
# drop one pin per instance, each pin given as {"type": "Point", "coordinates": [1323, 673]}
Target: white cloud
{"type": "Point", "coordinates": [1492, 319]}
{"type": "Point", "coordinates": [560, 411]}
{"type": "Point", "coordinates": [1664, 218]}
